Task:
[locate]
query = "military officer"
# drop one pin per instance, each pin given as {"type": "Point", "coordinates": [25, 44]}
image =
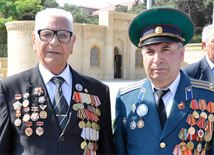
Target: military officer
{"type": "Point", "coordinates": [167, 112]}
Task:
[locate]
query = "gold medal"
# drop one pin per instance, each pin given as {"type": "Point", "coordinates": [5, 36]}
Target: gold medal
{"type": "Point", "coordinates": [190, 145]}
{"type": "Point", "coordinates": [43, 114]}
{"type": "Point", "coordinates": [182, 146]}
{"type": "Point", "coordinates": [18, 122]}
{"type": "Point", "coordinates": [83, 145]}
{"type": "Point", "coordinates": [88, 124]}
{"type": "Point", "coordinates": [39, 130]}
{"type": "Point", "coordinates": [207, 137]}
{"type": "Point", "coordinates": [191, 130]}
{"type": "Point", "coordinates": [211, 117]}
{"type": "Point", "coordinates": [28, 131]}
{"type": "Point", "coordinates": [75, 107]}
{"type": "Point", "coordinates": [81, 124]}
{"type": "Point", "coordinates": [203, 114]}
{"type": "Point", "coordinates": [98, 112]}
{"type": "Point", "coordinates": [195, 114]}
{"type": "Point", "coordinates": [94, 125]}
{"type": "Point", "coordinates": [80, 106]}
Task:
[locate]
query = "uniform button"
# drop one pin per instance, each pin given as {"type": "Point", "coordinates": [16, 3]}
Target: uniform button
{"type": "Point", "coordinates": [62, 139]}
{"type": "Point", "coordinates": [162, 145]}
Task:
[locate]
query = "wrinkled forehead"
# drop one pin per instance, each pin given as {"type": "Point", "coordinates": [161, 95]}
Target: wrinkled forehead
{"type": "Point", "coordinates": [53, 22]}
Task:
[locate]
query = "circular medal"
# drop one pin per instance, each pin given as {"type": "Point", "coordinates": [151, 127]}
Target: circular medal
{"type": "Point", "coordinates": [18, 122]}
{"type": "Point", "coordinates": [28, 131]}
{"type": "Point", "coordinates": [191, 130]}
{"type": "Point", "coordinates": [182, 146]}
{"type": "Point", "coordinates": [95, 146]}
{"type": "Point", "coordinates": [190, 145]}
{"type": "Point", "coordinates": [211, 117]}
{"type": "Point", "coordinates": [207, 146]}
{"type": "Point", "coordinates": [200, 133]}
{"type": "Point", "coordinates": [140, 123]}
{"type": "Point", "coordinates": [43, 114]}
{"type": "Point", "coordinates": [207, 137]}
{"type": "Point", "coordinates": [142, 110]}
{"type": "Point", "coordinates": [26, 118]}
{"type": "Point", "coordinates": [195, 114]}
{"type": "Point", "coordinates": [25, 103]}
{"type": "Point", "coordinates": [34, 116]}
{"type": "Point", "coordinates": [133, 125]}
{"type": "Point", "coordinates": [80, 106]}
{"type": "Point", "coordinates": [88, 124]}
{"type": "Point", "coordinates": [90, 108]}
{"type": "Point", "coordinates": [98, 112]}
{"type": "Point", "coordinates": [41, 99]}
{"type": "Point", "coordinates": [81, 124]}
{"type": "Point", "coordinates": [94, 125]}
{"type": "Point", "coordinates": [83, 145]}
{"type": "Point", "coordinates": [90, 146]}
{"type": "Point", "coordinates": [75, 107]}
{"type": "Point", "coordinates": [203, 114]}
{"type": "Point", "coordinates": [199, 147]}
{"type": "Point", "coordinates": [39, 131]}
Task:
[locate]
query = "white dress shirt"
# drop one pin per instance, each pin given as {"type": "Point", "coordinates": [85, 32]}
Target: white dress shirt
{"type": "Point", "coordinates": [51, 87]}
{"type": "Point", "coordinates": [210, 64]}
{"type": "Point", "coordinates": [169, 97]}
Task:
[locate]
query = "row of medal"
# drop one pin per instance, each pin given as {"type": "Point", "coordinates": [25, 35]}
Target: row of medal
{"type": "Point", "coordinates": [141, 111]}
{"type": "Point", "coordinates": [204, 124]}
{"type": "Point", "coordinates": [87, 110]}
{"type": "Point", "coordinates": [28, 118]}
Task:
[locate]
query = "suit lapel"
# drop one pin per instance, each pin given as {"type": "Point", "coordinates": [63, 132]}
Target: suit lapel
{"type": "Point", "coordinates": [207, 73]}
{"type": "Point", "coordinates": [176, 115]}
{"type": "Point", "coordinates": [152, 115]}
{"type": "Point", "coordinates": [35, 80]}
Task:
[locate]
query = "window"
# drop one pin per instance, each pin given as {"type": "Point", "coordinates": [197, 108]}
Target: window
{"type": "Point", "coordinates": [95, 57]}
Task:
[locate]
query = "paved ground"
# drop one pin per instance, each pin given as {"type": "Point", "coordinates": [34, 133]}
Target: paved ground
{"type": "Point", "coordinates": [114, 86]}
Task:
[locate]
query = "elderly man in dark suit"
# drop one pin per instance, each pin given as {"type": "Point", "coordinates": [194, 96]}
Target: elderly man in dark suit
{"type": "Point", "coordinates": [167, 112]}
{"type": "Point", "coordinates": [52, 109]}
{"type": "Point", "coordinates": [204, 69]}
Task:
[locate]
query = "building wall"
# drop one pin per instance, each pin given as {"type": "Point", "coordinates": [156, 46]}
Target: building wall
{"type": "Point", "coordinates": [110, 37]}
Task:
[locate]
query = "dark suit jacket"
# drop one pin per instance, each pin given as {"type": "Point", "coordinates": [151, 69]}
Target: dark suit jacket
{"type": "Point", "coordinates": [13, 138]}
{"type": "Point", "coordinates": [199, 70]}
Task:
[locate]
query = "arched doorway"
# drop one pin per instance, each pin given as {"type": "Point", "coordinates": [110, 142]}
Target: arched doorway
{"type": "Point", "coordinates": [117, 64]}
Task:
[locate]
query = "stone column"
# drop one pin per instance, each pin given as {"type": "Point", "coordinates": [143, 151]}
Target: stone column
{"type": "Point", "coordinates": [21, 55]}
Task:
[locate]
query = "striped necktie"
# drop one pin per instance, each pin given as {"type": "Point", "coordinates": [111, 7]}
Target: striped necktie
{"type": "Point", "coordinates": [59, 103]}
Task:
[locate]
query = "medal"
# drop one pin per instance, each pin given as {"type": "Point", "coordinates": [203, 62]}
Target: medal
{"type": "Point", "coordinates": [195, 114]}
{"type": "Point", "coordinates": [140, 123]}
{"type": "Point", "coordinates": [43, 114]}
{"type": "Point", "coordinates": [133, 123]}
{"type": "Point", "coordinates": [26, 103]}
{"type": "Point", "coordinates": [199, 147]}
{"type": "Point", "coordinates": [17, 105]}
{"type": "Point", "coordinates": [79, 87]}
{"type": "Point", "coordinates": [90, 108]}
{"type": "Point", "coordinates": [200, 133]}
{"type": "Point", "coordinates": [26, 118]}
{"type": "Point", "coordinates": [182, 146]}
{"type": "Point", "coordinates": [17, 122]}
{"type": "Point", "coordinates": [41, 99]}
{"type": "Point", "coordinates": [34, 116]}
{"type": "Point", "coordinates": [190, 145]}
{"type": "Point", "coordinates": [191, 130]}
{"type": "Point", "coordinates": [90, 146]}
{"type": "Point", "coordinates": [208, 136]}
{"type": "Point", "coordinates": [133, 108]}
{"type": "Point", "coordinates": [28, 130]}
{"type": "Point", "coordinates": [142, 110]}
{"type": "Point", "coordinates": [18, 113]}
{"type": "Point", "coordinates": [211, 117]}
{"type": "Point", "coordinates": [38, 91]}
{"type": "Point", "coordinates": [39, 130]}
{"type": "Point", "coordinates": [203, 114]}
{"type": "Point", "coordinates": [81, 124]}
{"type": "Point", "coordinates": [83, 145]}
{"type": "Point", "coordinates": [88, 124]}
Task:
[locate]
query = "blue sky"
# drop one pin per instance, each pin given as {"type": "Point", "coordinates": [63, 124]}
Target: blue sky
{"type": "Point", "coordinates": [92, 3]}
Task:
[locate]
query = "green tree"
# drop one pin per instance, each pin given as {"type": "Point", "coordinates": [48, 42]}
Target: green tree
{"type": "Point", "coordinates": [49, 4]}
{"type": "Point", "coordinates": [121, 8]}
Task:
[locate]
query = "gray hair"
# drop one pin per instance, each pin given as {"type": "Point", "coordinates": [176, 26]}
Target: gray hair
{"type": "Point", "coordinates": [44, 14]}
{"type": "Point", "coordinates": [180, 45]}
{"type": "Point", "coordinates": [207, 32]}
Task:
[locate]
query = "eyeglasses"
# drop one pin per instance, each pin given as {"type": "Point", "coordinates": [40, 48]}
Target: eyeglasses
{"type": "Point", "coordinates": [47, 35]}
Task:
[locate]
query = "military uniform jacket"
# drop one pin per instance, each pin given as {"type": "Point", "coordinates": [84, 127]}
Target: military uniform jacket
{"type": "Point", "coordinates": [149, 137]}
{"type": "Point", "coordinates": [13, 139]}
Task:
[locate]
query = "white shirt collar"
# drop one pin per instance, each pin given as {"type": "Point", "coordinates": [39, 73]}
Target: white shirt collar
{"type": "Point", "coordinates": [47, 75]}
{"type": "Point", "coordinates": [209, 62]}
{"type": "Point", "coordinates": [173, 86]}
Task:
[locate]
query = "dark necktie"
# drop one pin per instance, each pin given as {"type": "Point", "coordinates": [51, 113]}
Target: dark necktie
{"type": "Point", "coordinates": [59, 103]}
{"type": "Point", "coordinates": [160, 106]}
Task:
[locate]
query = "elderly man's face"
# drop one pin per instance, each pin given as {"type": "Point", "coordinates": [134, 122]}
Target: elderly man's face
{"type": "Point", "coordinates": [54, 54]}
{"type": "Point", "coordinates": [209, 47]}
{"type": "Point", "coordinates": [162, 63]}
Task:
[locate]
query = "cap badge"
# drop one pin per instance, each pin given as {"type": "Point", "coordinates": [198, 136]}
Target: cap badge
{"type": "Point", "coordinates": [158, 29]}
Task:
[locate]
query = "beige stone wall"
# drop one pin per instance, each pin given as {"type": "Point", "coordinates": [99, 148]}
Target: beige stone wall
{"type": "Point", "coordinates": [110, 34]}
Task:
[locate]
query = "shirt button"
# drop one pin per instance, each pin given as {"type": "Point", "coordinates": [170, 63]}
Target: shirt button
{"type": "Point", "coordinates": [162, 145]}
{"type": "Point", "coordinates": [62, 139]}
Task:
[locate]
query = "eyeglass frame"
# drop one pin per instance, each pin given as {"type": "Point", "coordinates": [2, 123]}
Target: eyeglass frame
{"type": "Point", "coordinates": [55, 33]}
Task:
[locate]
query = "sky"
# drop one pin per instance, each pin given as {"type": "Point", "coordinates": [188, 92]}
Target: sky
{"type": "Point", "coordinates": [92, 3]}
